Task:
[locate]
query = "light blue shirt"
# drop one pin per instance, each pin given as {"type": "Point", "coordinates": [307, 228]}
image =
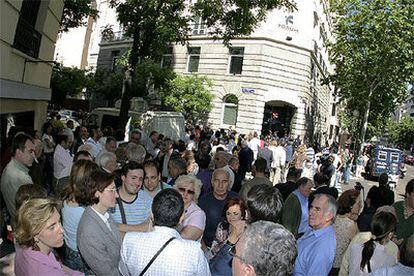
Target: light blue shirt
{"type": "Point", "coordinates": [136, 211]}
{"type": "Point", "coordinates": [304, 220]}
{"type": "Point", "coordinates": [316, 252]}
{"type": "Point", "coordinates": [70, 221]}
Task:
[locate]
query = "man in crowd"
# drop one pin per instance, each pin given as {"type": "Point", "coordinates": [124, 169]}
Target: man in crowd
{"type": "Point", "coordinates": [258, 171]}
{"type": "Point", "coordinates": [135, 137]}
{"type": "Point", "coordinates": [234, 165]}
{"type": "Point", "coordinates": [179, 256]}
{"type": "Point", "coordinates": [107, 161]}
{"type": "Point", "coordinates": [62, 162]}
{"type": "Point", "coordinates": [135, 152]}
{"type": "Point", "coordinates": [133, 206]}
{"type": "Point", "coordinates": [290, 185]}
{"type": "Point", "coordinates": [278, 162]}
{"type": "Point", "coordinates": [267, 155]}
{"type": "Point", "coordinates": [213, 203]}
{"type": "Point", "coordinates": [152, 181]}
{"type": "Point", "coordinates": [246, 158]}
{"type": "Point", "coordinates": [221, 160]}
{"type": "Point", "coordinates": [96, 146]}
{"type": "Point", "coordinates": [151, 143]}
{"type": "Point", "coordinates": [176, 166]}
{"type": "Point", "coordinates": [265, 248]}
{"type": "Point", "coordinates": [16, 172]}
{"type": "Point", "coordinates": [37, 170]}
{"type": "Point", "coordinates": [254, 145]}
{"type": "Point", "coordinates": [81, 138]}
{"type": "Point", "coordinates": [328, 169]}
{"type": "Point", "coordinates": [295, 212]}
{"type": "Point", "coordinates": [110, 146]}
{"type": "Point", "coordinates": [317, 247]}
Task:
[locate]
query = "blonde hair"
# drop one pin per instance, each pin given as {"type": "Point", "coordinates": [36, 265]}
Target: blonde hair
{"type": "Point", "coordinates": [32, 218]}
{"type": "Point", "coordinates": [184, 179]}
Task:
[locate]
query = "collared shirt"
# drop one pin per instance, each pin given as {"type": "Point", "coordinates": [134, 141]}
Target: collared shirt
{"type": "Point", "coordinates": [194, 216]}
{"type": "Point", "coordinates": [30, 262]}
{"type": "Point", "coordinates": [14, 175]}
{"type": "Point", "coordinates": [96, 146]}
{"type": "Point", "coordinates": [179, 257]}
{"type": "Point", "coordinates": [316, 252]}
{"type": "Point", "coordinates": [104, 218]}
{"type": "Point", "coordinates": [62, 162]}
{"type": "Point", "coordinates": [304, 203]}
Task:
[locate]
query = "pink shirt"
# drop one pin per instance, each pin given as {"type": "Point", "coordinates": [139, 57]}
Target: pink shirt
{"type": "Point", "coordinates": [30, 262]}
{"type": "Point", "coordinates": [194, 216]}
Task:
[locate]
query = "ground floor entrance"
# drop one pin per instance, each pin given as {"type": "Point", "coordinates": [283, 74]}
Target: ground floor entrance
{"type": "Point", "coordinates": [277, 118]}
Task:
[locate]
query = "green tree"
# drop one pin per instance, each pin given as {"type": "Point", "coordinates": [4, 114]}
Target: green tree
{"type": "Point", "coordinates": [154, 24]}
{"type": "Point", "coordinates": [373, 57]}
{"type": "Point", "coordinates": [67, 81]}
{"type": "Point", "coordinates": [190, 95]}
{"type": "Point", "coordinates": [402, 132]}
{"type": "Point", "coordinates": [106, 84]}
{"type": "Point", "coordinates": [75, 13]}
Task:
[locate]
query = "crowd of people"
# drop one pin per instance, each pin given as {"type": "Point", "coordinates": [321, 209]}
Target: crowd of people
{"type": "Point", "coordinates": [88, 202]}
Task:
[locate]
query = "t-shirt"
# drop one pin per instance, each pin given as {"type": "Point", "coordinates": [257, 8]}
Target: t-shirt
{"type": "Point", "coordinates": [136, 211]}
{"type": "Point", "coordinates": [70, 221]}
{"type": "Point", "coordinates": [214, 210]}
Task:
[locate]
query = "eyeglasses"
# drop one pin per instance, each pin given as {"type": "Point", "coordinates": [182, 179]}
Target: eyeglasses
{"type": "Point", "coordinates": [113, 190]}
{"type": "Point", "coordinates": [190, 192]}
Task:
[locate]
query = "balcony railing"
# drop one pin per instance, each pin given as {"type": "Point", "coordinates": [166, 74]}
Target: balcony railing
{"type": "Point", "coordinates": [114, 37]}
{"type": "Point", "coordinates": [27, 39]}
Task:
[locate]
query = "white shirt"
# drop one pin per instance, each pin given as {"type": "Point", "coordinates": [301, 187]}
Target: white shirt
{"type": "Point", "coordinates": [96, 146]}
{"type": "Point", "coordinates": [62, 162]}
{"type": "Point", "coordinates": [104, 218]}
{"type": "Point", "coordinates": [279, 156]}
{"type": "Point", "coordinates": [254, 145]}
{"type": "Point", "coordinates": [180, 257]}
{"type": "Point", "coordinates": [379, 259]}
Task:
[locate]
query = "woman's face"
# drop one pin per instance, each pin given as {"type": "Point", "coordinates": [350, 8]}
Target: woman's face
{"type": "Point", "coordinates": [51, 235]}
{"type": "Point", "coordinates": [187, 192]}
{"type": "Point", "coordinates": [107, 198]}
{"type": "Point", "coordinates": [233, 214]}
{"type": "Point", "coordinates": [356, 208]}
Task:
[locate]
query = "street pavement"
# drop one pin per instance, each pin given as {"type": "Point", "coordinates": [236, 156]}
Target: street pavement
{"type": "Point", "coordinates": [367, 184]}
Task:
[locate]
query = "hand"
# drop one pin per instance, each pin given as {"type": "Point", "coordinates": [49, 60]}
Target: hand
{"type": "Point", "coordinates": [7, 262]}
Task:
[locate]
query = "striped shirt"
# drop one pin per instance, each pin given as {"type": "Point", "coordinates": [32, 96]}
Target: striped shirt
{"type": "Point", "coordinates": [136, 211]}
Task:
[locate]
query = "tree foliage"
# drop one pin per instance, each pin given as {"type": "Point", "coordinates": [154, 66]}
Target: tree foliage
{"type": "Point", "coordinates": [190, 95]}
{"type": "Point", "coordinates": [155, 24]}
{"type": "Point", "coordinates": [373, 56]}
{"type": "Point", "coordinates": [107, 84]}
{"type": "Point", "coordinates": [67, 81]}
{"type": "Point", "coordinates": [402, 132]}
{"type": "Point", "coordinates": [75, 13]}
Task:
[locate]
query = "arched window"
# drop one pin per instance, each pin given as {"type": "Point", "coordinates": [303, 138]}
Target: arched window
{"type": "Point", "coordinates": [230, 107]}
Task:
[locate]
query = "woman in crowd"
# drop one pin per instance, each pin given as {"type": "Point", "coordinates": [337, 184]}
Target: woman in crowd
{"type": "Point", "coordinates": [192, 227]}
{"type": "Point", "coordinates": [349, 206]}
{"type": "Point", "coordinates": [234, 211]}
{"type": "Point", "coordinates": [299, 157]}
{"type": "Point", "coordinates": [192, 166]}
{"type": "Point", "coordinates": [74, 203]}
{"type": "Point", "coordinates": [405, 213]}
{"type": "Point", "coordinates": [47, 138]}
{"type": "Point", "coordinates": [98, 238]}
{"type": "Point", "coordinates": [371, 255]}
{"type": "Point", "coordinates": [38, 232]}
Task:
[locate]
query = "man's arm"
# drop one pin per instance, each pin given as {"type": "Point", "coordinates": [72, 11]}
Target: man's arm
{"type": "Point", "coordinates": [191, 233]}
{"type": "Point", "coordinates": [145, 226]}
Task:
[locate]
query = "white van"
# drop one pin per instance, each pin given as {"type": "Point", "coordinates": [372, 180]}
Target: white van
{"type": "Point", "coordinates": [169, 123]}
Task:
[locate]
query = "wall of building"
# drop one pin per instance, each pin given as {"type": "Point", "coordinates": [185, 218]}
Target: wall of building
{"type": "Point", "coordinates": [25, 80]}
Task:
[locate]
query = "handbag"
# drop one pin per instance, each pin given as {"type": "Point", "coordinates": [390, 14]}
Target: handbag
{"type": "Point", "coordinates": [155, 256]}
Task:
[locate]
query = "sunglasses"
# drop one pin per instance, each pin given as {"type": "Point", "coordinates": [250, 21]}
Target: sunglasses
{"type": "Point", "coordinates": [190, 192]}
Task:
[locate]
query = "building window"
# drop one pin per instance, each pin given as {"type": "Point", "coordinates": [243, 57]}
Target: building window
{"type": "Point", "coordinates": [236, 60]}
{"type": "Point", "coordinates": [26, 38]}
{"type": "Point", "coordinates": [230, 110]}
{"type": "Point", "coordinates": [167, 58]}
{"type": "Point", "coordinates": [193, 59]}
{"type": "Point", "coordinates": [198, 26]}
{"type": "Point", "coordinates": [115, 57]}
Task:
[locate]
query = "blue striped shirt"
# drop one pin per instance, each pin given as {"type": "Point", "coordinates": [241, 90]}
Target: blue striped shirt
{"type": "Point", "coordinates": [136, 211]}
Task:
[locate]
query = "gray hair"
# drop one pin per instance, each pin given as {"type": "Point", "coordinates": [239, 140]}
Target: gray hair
{"type": "Point", "coordinates": [194, 181]}
{"type": "Point", "coordinates": [135, 153]}
{"type": "Point", "coordinates": [332, 205]}
{"type": "Point", "coordinates": [269, 248]}
{"type": "Point", "coordinates": [220, 170]}
{"type": "Point", "coordinates": [105, 158]}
